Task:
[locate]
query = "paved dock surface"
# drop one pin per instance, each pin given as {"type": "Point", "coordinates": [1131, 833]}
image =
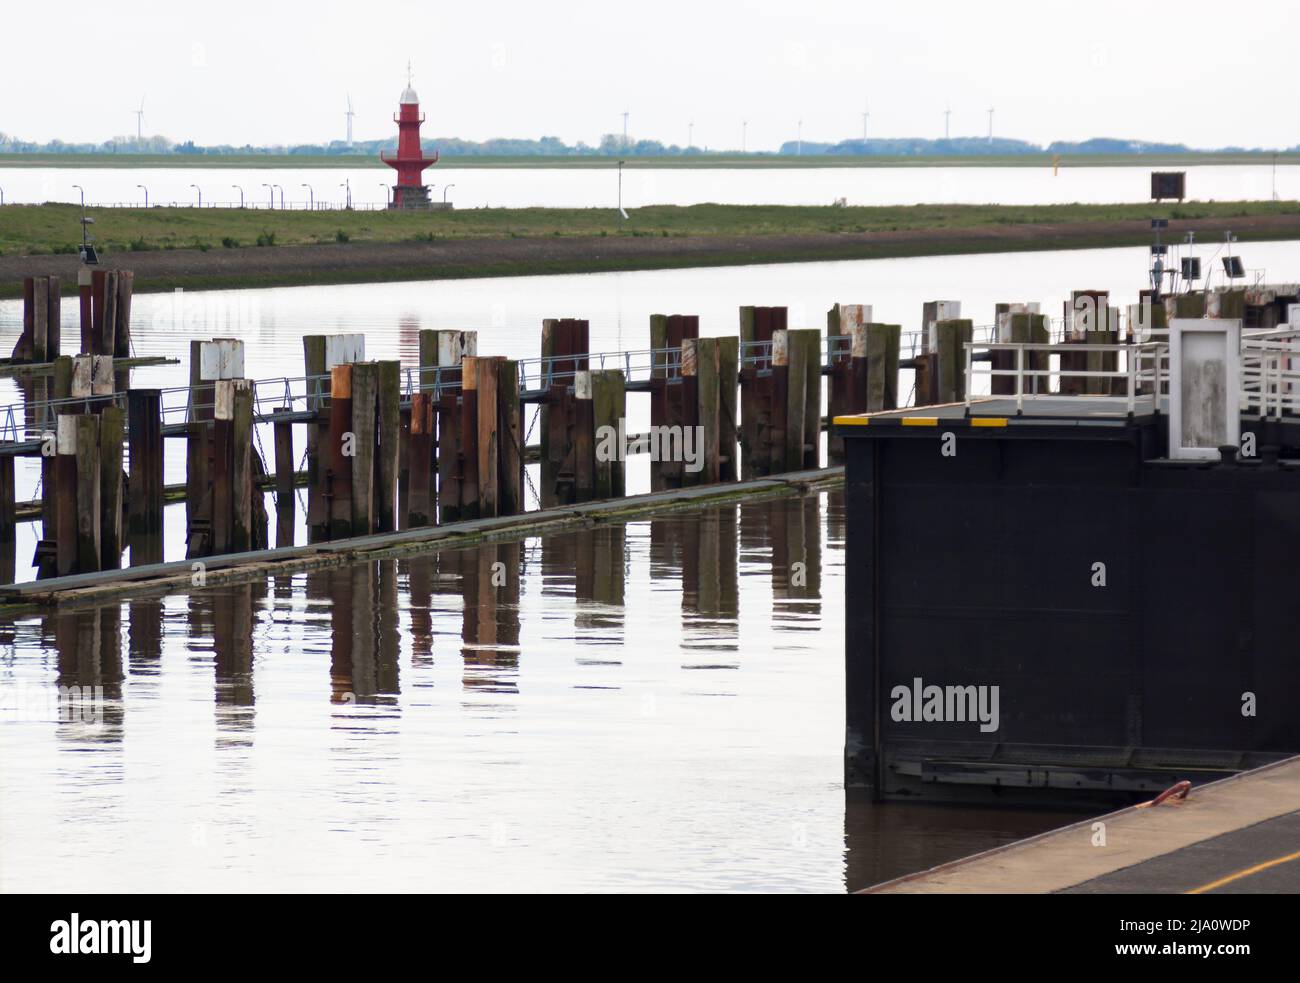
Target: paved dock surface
{"type": "Point", "coordinates": [1236, 836]}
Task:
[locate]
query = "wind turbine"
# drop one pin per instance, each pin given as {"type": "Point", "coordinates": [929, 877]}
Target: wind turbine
{"type": "Point", "coordinates": [990, 124]}
{"type": "Point", "coordinates": [744, 126]}
{"type": "Point", "coordinates": [866, 115]}
{"type": "Point", "coordinates": [800, 150]}
{"type": "Point", "coordinates": [349, 114]}
{"type": "Point", "coordinates": [946, 114]}
{"type": "Point", "coordinates": [139, 125]}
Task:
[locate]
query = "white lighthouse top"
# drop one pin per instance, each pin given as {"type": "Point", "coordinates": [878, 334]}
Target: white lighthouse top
{"type": "Point", "coordinates": [409, 98]}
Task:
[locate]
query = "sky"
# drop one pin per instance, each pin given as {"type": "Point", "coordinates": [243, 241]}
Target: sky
{"type": "Point", "coordinates": [280, 73]}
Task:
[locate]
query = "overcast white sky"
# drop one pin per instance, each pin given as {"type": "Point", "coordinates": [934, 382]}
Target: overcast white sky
{"type": "Point", "coordinates": [262, 72]}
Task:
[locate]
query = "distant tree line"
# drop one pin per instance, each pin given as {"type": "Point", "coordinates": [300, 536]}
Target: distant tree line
{"type": "Point", "coordinates": [613, 145]}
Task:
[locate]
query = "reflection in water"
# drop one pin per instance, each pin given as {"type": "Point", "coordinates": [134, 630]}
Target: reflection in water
{"type": "Point", "coordinates": [651, 705]}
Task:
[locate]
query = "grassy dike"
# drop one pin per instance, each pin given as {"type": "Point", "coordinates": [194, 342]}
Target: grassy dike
{"type": "Point", "coordinates": [230, 248]}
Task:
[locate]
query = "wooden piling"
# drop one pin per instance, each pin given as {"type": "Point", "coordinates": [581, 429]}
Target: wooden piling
{"type": "Point", "coordinates": [112, 429]}
{"type": "Point", "coordinates": [340, 452]}
{"type": "Point", "coordinates": [8, 503]}
{"type": "Point", "coordinates": [387, 452]}
{"type": "Point", "coordinates": [88, 493]}
{"type": "Point", "coordinates": [781, 429]}
{"type": "Point", "coordinates": [313, 351]}
{"type": "Point", "coordinates": [243, 528]}
{"type": "Point", "coordinates": [728, 354]}
{"type": "Point", "coordinates": [441, 355]}
{"type": "Point", "coordinates": [122, 325]}
{"type": "Point", "coordinates": [65, 505]}
{"type": "Point", "coordinates": [951, 337]}
{"type": "Point", "coordinates": [487, 443]}
{"type": "Point", "coordinates": [467, 460]}
{"type": "Point", "coordinates": [707, 441]}
{"type": "Point", "coordinates": [145, 482]}
{"type": "Point", "coordinates": [609, 413]}
{"type": "Point", "coordinates": [284, 459]}
{"type": "Point", "coordinates": [222, 515]}
{"type": "Point", "coordinates": [510, 490]}
{"type": "Point", "coordinates": [85, 297]}
{"type": "Point", "coordinates": [365, 400]}
{"type": "Point", "coordinates": [757, 389]}
{"type": "Point", "coordinates": [659, 372]}
{"type": "Point", "coordinates": [583, 457]}
{"type": "Point", "coordinates": [419, 500]}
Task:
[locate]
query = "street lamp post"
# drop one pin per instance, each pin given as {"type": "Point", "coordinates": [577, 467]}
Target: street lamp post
{"type": "Point", "coordinates": [200, 193]}
{"type": "Point", "coordinates": [146, 194]}
{"type": "Point", "coordinates": [281, 190]}
{"type": "Point", "coordinates": [84, 241]}
{"type": "Point", "coordinates": [347, 193]}
{"type": "Point", "coordinates": [2, 196]}
{"type": "Point", "coordinates": [271, 189]}
{"type": "Point", "coordinates": [241, 194]}
{"type": "Point", "coordinates": [384, 185]}
{"type": "Point", "coordinates": [445, 189]}
{"type": "Point", "coordinates": [311, 197]}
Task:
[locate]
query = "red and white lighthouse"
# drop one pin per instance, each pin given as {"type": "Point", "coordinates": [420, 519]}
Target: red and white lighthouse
{"type": "Point", "coordinates": [409, 162]}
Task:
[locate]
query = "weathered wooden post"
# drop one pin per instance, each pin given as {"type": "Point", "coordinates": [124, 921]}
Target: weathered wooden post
{"type": "Point", "coordinates": [285, 478]}
{"type": "Point", "coordinates": [802, 438]}
{"type": "Point", "coordinates": [583, 458]}
{"type": "Point", "coordinates": [112, 428]}
{"type": "Point", "coordinates": [88, 486]}
{"type": "Point", "coordinates": [8, 516]}
{"type": "Point", "coordinates": [781, 426]}
{"type": "Point", "coordinates": [758, 388]}
{"type": "Point", "coordinates": [40, 338]}
{"type": "Point", "coordinates": [122, 323]}
{"type": "Point", "coordinates": [480, 438]}
{"type": "Point", "coordinates": [842, 322]}
{"type": "Point", "coordinates": [145, 482]}
{"type": "Point", "coordinates": [441, 354]}
{"type": "Point", "coordinates": [609, 419]}
{"type": "Point", "coordinates": [341, 448]}
{"type": "Point", "coordinates": [243, 488]}
{"type": "Point", "coordinates": [65, 505]}
{"type": "Point", "coordinates": [1086, 313]}
{"type": "Point", "coordinates": [728, 358]}
{"type": "Point", "coordinates": [707, 441]}
{"type": "Point", "coordinates": [565, 344]}
{"type": "Point", "coordinates": [317, 389]}
{"type": "Point", "coordinates": [85, 300]}
{"type": "Point", "coordinates": [419, 499]}
{"type": "Point", "coordinates": [950, 337]}
{"type": "Point", "coordinates": [387, 453]}
{"type": "Point", "coordinates": [365, 398]}
{"type": "Point", "coordinates": [510, 489]}
{"type": "Point", "coordinates": [678, 475]}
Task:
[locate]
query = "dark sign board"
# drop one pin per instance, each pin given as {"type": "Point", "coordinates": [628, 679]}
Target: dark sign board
{"type": "Point", "coordinates": [1168, 184]}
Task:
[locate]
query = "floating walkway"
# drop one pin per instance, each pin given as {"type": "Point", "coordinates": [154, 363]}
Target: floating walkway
{"type": "Point", "coordinates": [1240, 835]}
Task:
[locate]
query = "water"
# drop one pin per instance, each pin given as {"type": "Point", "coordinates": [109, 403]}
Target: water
{"type": "Point", "coordinates": [507, 313]}
{"type": "Point", "coordinates": [650, 706]}
{"type": "Point", "coordinates": [588, 187]}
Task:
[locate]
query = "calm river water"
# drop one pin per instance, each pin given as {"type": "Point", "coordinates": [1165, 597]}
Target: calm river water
{"type": "Point", "coordinates": [640, 707]}
{"type": "Point", "coordinates": [590, 187]}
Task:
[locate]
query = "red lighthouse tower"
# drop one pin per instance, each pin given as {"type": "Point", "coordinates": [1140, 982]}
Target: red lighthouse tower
{"type": "Point", "coordinates": [410, 190]}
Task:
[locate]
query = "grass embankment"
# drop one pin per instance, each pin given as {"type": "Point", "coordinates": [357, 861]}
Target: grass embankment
{"type": "Point", "coordinates": [710, 160]}
{"type": "Point", "coordinates": [33, 230]}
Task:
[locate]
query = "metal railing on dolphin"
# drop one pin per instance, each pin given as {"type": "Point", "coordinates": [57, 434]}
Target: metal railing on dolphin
{"type": "Point", "coordinates": [1270, 377]}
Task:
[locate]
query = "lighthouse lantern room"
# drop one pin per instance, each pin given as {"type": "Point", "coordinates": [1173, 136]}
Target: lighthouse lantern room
{"type": "Point", "coordinates": [410, 191]}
